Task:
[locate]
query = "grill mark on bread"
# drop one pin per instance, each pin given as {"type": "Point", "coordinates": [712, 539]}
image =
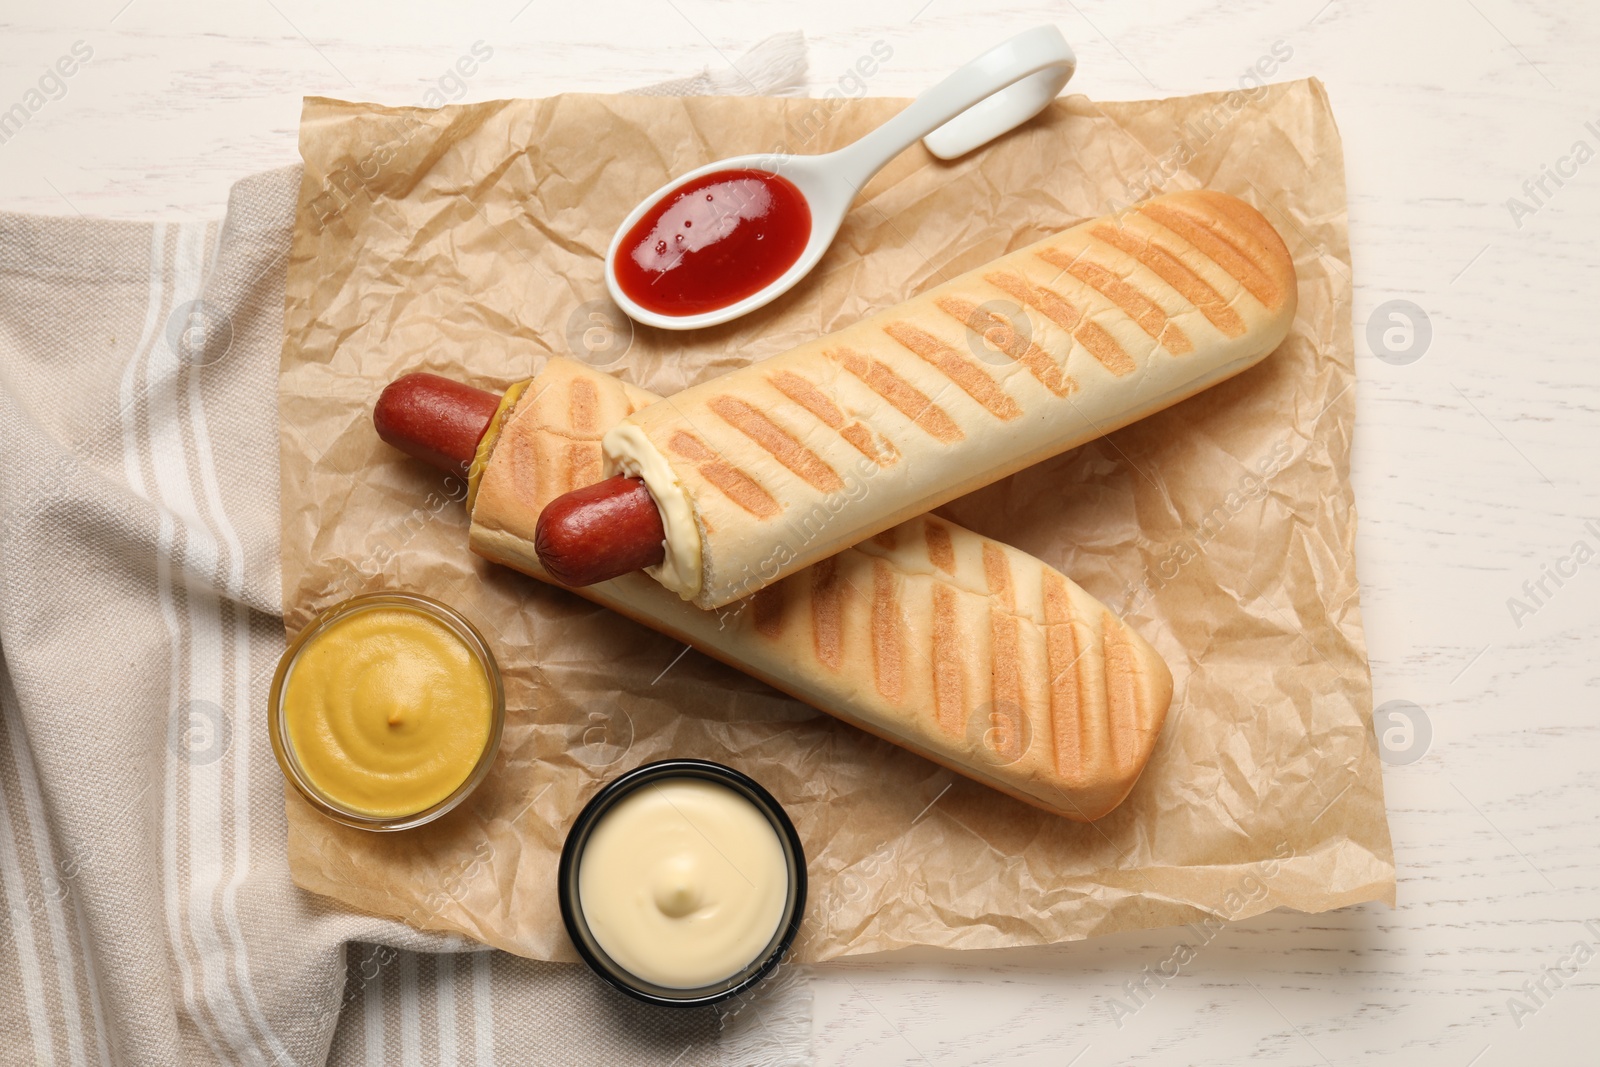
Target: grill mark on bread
{"type": "Point", "coordinates": [584, 465]}
{"type": "Point", "coordinates": [1172, 270]}
{"type": "Point", "coordinates": [1217, 247]}
{"type": "Point", "coordinates": [779, 443]}
{"type": "Point", "coordinates": [997, 574]}
{"type": "Point", "coordinates": [1055, 307]}
{"type": "Point", "coordinates": [1133, 301]}
{"type": "Point", "coordinates": [1005, 668]}
{"type": "Point", "coordinates": [808, 396]}
{"type": "Point", "coordinates": [690, 448]}
{"type": "Point", "coordinates": [941, 553]}
{"type": "Point", "coordinates": [1050, 304]}
{"type": "Point", "coordinates": [886, 658]}
{"type": "Point", "coordinates": [948, 681]}
{"type": "Point", "coordinates": [766, 609]}
{"type": "Point", "coordinates": [522, 458]}
{"type": "Point", "coordinates": [963, 372]}
{"type": "Point", "coordinates": [814, 400]}
{"type": "Point", "coordinates": [887, 539]}
{"type": "Point", "coordinates": [1174, 340]}
{"type": "Point", "coordinates": [827, 595]}
{"type": "Point", "coordinates": [1248, 219]}
{"type": "Point", "coordinates": [904, 397]}
{"type": "Point", "coordinates": [1002, 333]}
{"type": "Point", "coordinates": [584, 408]}
{"type": "Point", "coordinates": [883, 453]}
{"type": "Point", "coordinates": [1103, 347]}
{"type": "Point", "coordinates": [1006, 714]}
{"type": "Point", "coordinates": [732, 482]}
{"type": "Point", "coordinates": [1062, 654]}
{"type": "Point", "coordinates": [1123, 703]}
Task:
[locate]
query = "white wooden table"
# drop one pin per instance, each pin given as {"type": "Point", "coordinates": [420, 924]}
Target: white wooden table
{"type": "Point", "coordinates": [1473, 461]}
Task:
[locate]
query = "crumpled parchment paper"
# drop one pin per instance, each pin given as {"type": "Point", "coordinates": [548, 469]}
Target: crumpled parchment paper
{"type": "Point", "coordinates": [468, 241]}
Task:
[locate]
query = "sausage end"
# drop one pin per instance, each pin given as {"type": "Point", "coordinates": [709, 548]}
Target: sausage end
{"type": "Point", "coordinates": [600, 532]}
{"type": "Point", "coordinates": [434, 419]}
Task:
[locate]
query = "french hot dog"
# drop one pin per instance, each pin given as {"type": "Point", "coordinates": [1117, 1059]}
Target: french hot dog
{"type": "Point", "coordinates": [770, 468]}
{"type": "Point", "coordinates": [955, 646]}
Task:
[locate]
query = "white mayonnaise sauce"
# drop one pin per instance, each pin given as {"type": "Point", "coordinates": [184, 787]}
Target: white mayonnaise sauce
{"type": "Point", "coordinates": [628, 451]}
{"type": "Point", "coordinates": [683, 882]}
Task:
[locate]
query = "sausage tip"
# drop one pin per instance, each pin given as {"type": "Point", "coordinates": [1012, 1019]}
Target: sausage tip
{"type": "Point", "coordinates": [434, 419]}
{"type": "Point", "coordinates": [600, 532]}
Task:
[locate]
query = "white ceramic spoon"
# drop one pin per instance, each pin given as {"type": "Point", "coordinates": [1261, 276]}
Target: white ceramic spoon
{"type": "Point", "coordinates": [996, 92]}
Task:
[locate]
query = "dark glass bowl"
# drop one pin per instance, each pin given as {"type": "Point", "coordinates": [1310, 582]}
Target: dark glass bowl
{"type": "Point", "coordinates": [572, 907]}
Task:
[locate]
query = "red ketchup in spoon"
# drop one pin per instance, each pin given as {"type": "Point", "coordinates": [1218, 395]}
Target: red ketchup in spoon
{"type": "Point", "coordinates": [713, 241]}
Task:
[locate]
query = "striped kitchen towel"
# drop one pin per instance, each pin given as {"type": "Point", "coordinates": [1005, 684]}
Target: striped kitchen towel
{"type": "Point", "coordinates": [150, 914]}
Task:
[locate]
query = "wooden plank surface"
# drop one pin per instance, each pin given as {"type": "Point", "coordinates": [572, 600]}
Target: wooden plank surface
{"type": "Point", "coordinates": [1474, 457]}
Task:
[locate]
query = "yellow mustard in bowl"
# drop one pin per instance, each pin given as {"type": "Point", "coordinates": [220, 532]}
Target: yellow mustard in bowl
{"type": "Point", "coordinates": [387, 710]}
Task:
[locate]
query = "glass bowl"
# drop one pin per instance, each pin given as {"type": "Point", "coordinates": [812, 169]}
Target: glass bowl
{"type": "Point", "coordinates": [278, 730]}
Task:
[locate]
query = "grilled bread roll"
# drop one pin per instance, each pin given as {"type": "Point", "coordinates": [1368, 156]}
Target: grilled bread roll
{"type": "Point", "coordinates": [962, 649]}
{"type": "Point", "coordinates": [782, 463]}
